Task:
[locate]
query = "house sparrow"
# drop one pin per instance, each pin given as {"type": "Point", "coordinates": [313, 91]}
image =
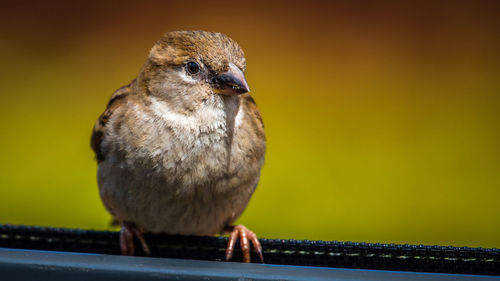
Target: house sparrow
{"type": "Point", "coordinates": [180, 148]}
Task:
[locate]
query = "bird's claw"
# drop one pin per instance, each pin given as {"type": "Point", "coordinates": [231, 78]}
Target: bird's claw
{"type": "Point", "coordinates": [244, 234]}
{"type": "Point", "coordinates": [127, 232]}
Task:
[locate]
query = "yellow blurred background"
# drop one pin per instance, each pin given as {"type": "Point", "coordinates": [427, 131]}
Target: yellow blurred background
{"type": "Point", "coordinates": [382, 117]}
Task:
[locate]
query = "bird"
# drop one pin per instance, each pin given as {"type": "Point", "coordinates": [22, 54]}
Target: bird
{"type": "Point", "coordinates": [180, 149]}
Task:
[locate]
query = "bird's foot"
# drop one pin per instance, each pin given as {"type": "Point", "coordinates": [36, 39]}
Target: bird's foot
{"type": "Point", "coordinates": [244, 234]}
{"type": "Point", "coordinates": [127, 232]}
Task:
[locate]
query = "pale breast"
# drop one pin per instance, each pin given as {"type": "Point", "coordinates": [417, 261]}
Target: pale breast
{"type": "Point", "coordinates": [180, 174]}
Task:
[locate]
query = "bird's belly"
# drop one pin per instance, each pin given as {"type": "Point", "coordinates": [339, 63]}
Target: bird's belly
{"type": "Point", "coordinates": [194, 192]}
{"type": "Point", "coordinates": [181, 176]}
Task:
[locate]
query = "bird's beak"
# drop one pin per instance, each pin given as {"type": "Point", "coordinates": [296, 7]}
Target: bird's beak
{"type": "Point", "coordinates": [232, 82]}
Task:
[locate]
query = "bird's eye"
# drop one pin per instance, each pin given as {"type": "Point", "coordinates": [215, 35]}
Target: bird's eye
{"type": "Point", "coordinates": [192, 67]}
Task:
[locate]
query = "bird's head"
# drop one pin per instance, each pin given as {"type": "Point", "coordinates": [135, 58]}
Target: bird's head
{"type": "Point", "coordinates": [185, 67]}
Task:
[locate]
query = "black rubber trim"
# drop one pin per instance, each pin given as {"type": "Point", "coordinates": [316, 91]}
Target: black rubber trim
{"type": "Point", "coordinates": [286, 252]}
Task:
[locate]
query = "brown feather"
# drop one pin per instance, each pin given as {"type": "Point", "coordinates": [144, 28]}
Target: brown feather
{"type": "Point", "coordinates": [174, 156]}
{"type": "Point", "coordinates": [98, 131]}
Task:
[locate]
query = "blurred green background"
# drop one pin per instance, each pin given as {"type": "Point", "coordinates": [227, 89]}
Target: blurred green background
{"type": "Point", "coordinates": [382, 117]}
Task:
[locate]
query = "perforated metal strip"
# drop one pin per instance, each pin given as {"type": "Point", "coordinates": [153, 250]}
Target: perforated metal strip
{"type": "Point", "coordinates": [287, 252]}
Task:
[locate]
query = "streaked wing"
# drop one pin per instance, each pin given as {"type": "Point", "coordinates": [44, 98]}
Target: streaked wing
{"type": "Point", "coordinates": [99, 130]}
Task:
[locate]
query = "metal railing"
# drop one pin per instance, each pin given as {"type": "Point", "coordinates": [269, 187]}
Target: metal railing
{"type": "Point", "coordinates": [416, 258]}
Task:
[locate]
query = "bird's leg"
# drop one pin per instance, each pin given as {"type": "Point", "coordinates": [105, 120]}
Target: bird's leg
{"type": "Point", "coordinates": [240, 231]}
{"type": "Point", "coordinates": [127, 232]}
{"type": "Point", "coordinates": [126, 241]}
